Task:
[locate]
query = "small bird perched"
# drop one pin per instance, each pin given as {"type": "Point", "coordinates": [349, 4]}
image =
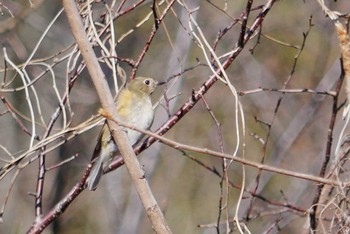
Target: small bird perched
{"type": "Point", "coordinates": [134, 107]}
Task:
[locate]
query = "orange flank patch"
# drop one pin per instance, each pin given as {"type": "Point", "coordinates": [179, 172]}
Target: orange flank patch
{"type": "Point", "coordinates": [104, 113]}
{"type": "Point", "coordinates": [124, 103]}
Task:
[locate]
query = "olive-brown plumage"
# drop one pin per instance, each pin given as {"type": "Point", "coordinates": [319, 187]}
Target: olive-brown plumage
{"type": "Point", "coordinates": [134, 107]}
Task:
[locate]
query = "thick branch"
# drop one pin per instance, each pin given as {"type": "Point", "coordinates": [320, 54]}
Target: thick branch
{"type": "Point", "coordinates": [153, 211]}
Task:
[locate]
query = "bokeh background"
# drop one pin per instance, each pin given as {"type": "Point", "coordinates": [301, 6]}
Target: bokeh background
{"type": "Point", "coordinates": [297, 46]}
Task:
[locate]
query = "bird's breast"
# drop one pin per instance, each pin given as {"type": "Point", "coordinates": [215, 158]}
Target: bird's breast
{"type": "Point", "coordinates": [138, 112]}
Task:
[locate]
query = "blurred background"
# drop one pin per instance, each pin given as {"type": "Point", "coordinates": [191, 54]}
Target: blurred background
{"type": "Point", "coordinates": [295, 48]}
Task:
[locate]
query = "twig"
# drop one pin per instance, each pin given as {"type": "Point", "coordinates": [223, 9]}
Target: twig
{"type": "Point", "coordinates": [76, 190]}
{"type": "Point", "coordinates": [247, 162]}
{"type": "Point", "coordinates": [153, 211]}
{"type": "Point", "coordinates": [150, 38]}
{"type": "Point", "coordinates": [322, 173]}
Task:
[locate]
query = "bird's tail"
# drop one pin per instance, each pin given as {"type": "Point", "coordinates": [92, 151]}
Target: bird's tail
{"type": "Point", "coordinates": [95, 175]}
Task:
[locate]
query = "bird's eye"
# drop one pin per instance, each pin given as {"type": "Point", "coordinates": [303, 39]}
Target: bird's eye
{"type": "Point", "coordinates": [147, 82]}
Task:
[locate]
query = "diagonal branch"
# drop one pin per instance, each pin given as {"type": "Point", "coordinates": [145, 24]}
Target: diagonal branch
{"type": "Point", "coordinates": [153, 211]}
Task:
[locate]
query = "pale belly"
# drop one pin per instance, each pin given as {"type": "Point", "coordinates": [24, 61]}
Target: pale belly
{"type": "Point", "coordinates": [142, 118]}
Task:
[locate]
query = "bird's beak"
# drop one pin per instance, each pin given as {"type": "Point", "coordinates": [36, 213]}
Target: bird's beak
{"type": "Point", "coordinates": [160, 83]}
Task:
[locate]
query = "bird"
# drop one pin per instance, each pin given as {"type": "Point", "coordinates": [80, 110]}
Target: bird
{"type": "Point", "coordinates": [134, 107]}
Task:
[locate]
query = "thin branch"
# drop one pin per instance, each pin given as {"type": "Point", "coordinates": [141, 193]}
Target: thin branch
{"type": "Point", "coordinates": [76, 190]}
{"type": "Point", "coordinates": [322, 173]}
{"type": "Point", "coordinates": [247, 162]}
{"type": "Point", "coordinates": [153, 211]}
